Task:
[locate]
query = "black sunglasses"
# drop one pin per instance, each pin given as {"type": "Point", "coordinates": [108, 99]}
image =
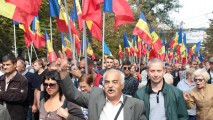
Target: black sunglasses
{"type": "Point", "coordinates": [127, 68]}
{"type": "Point", "coordinates": [51, 85]}
{"type": "Point", "coordinates": [197, 79]}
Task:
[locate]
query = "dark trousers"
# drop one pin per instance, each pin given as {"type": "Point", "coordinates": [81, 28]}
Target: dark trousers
{"type": "Point", "coordinates": [192, 117]}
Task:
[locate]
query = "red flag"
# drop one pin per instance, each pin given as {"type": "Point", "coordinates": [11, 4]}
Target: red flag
{"type": "Point", "coordinates": [39, 41]}
{"type": "Point", "coordinates": [123, 12]}
{"type": "Point", "coordinates": [31, 7]}
{"type": "Point", "coordinates": [28, 35]}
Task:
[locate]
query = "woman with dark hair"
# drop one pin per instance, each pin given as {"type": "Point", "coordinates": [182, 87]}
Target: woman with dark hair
{"type": "Point", "coordinates": [54, 106]}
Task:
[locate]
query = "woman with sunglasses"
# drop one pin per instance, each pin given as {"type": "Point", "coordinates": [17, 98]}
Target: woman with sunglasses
{"type": "Point", "coordinates": [54, 106]}
{"type": "Point", "coordinates": [201, 96]}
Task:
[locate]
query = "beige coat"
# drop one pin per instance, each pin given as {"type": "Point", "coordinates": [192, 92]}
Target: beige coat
{"type": "Point", "coordinates": [204, 103]}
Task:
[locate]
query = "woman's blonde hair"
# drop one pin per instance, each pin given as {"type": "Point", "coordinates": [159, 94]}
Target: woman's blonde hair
{"type": "Point", "coordinates": [203, 73]}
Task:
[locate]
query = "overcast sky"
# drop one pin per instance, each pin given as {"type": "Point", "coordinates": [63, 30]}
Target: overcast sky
{"type": "Point", "coordinates": [194, 13]}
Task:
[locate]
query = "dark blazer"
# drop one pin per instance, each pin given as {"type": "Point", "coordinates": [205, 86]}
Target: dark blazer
{"type": "Point", "coordinates": [96, 99]}
{"type": "Point", "coordinates": [209, 81]}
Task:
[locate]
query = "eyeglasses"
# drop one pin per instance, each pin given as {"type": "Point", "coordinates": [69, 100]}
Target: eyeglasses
{"type": "Point", "coordinates": [198, 79]}
{"type": "Point", "coordinates": [51, 85]}
{"type": "Point", "coordinates": [127, 68]}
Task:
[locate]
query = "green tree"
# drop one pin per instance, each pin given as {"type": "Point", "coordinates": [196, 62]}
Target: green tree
{"type": "Point", "coordinates": [208, 42]}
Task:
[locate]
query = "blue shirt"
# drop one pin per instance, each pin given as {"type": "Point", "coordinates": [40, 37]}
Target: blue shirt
{"type": "Point", "coordinates": [185, 87]}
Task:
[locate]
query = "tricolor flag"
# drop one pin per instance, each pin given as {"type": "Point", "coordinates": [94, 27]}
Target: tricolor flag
{"type": "Point", "coordinates": [142, 30]}
{"type": "Point", "coordinates": [156, 42]}
{"type": "Point", "coordinates": [89, 50]}
{"type": "Point", "coordinates": [13, 12]}
{"type": "Point", "coordinates": [121, 9]}
{"type": "Point", "coordinates": [126, 44]}
{"type": "Point", "coordinates": [78, 13]}
{"type": "Point", "coordinates": [120, 53]}
{"type": "Point", "coordinates": [39, 40]}
{"type": "Point", "coordinates": [51, 53]}
{"type": "Point", "coordinates": [29, 36]}
{"type": "Point", "coordinates": [66, 46]}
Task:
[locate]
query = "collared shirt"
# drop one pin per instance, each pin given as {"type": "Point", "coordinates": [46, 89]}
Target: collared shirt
{"type": "Point", "coordinates": [109, 111]}
{"type": "Point", "coordinates": [185, 87]}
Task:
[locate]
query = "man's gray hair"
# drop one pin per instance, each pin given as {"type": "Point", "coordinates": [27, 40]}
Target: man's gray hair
{"type": "Point", "coordinates": [122, 76]}
{"type": "Point", "coordinates": [22, 63]}
{"type": "Point", "coordinates": [155, 60]}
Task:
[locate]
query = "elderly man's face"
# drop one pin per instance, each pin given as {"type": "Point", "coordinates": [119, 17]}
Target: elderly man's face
{"type": "Point", "coordinates": [113, 86]}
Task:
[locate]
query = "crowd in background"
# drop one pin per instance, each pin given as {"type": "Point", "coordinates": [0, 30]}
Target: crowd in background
{"type": "Point", "coordinates": [35, 92]}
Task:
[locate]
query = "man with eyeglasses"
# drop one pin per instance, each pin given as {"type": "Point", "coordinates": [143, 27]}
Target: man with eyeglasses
{"type": "Point", "coordinates": [131, 83]}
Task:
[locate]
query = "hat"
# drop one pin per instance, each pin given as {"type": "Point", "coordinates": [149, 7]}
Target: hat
{"type": "Point", "coordinates": [211, 60]}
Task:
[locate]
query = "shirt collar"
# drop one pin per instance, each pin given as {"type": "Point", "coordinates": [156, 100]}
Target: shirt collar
{"type": "Point", "coordinates": [121, 100]}
{"type": "Point", "coordinates": [150, 88]}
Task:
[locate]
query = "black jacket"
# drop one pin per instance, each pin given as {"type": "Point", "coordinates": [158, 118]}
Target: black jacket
{"type": "Point", "coordinates": [15, 96]}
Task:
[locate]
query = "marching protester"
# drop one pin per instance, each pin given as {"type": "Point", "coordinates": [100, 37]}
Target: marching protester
{"type": "Point", "coordinates": [201, 96]}
{"type": "Point", "coordinates": [186, 85]}
{"type": "Point", "coordinates": [162, 101]}
{"type": "Point", "coordinates": [104, 103]}
{"type": "Point", "coordinates": [210, 71]}
{"type": "Point", "coordinates": [13, 89]}
{"type": "Point", "coordinates": [54, 105]}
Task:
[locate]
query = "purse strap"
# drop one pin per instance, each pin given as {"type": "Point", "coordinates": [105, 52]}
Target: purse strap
{"type": "Point", "coordinates": [122, 105]}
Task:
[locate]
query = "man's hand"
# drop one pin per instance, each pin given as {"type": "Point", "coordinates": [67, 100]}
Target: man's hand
{"type": "Point", "coordinates": [76, 72]}
{"type": "Point", "coordinates": [63, 64]}
{"type": "Point", "coordinates": [186, 96]}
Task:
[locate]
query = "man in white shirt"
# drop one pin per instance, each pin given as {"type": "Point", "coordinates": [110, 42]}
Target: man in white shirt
{"type": "Point", "coordinates": [103, 104]}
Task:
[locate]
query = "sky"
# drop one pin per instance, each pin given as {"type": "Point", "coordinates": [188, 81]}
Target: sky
{"type": "Point", "coordinates": [194, 13]}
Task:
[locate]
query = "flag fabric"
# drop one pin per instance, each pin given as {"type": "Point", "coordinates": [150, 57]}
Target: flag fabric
{"type": "Point", "coordinates": [58, 10]}
{"type": "Point", "coordinates": [39, 40]}
{"type": "Point", "coordinates": [180, 36]}
{"type": "Point", "coordinates": [92, 14]}
{"type": "Point", "coordinates": [106, 50]}
{"type": "Point", "coordinates": [51, 53]}
{"type": "Point", "coordinates": [78, 13]}
{"type": "Point", "coordinates": [121, 9]}
{"type": "Point", "coordinates": [156, 42]}
{"type": "Point", "coordinates": [13, 12]}
{"type": "Point", "coordinates": [29, 36]}
{"type": "Point", "coordinates": [162, 51]}
{"type": "Point", "coordinates": [31, 7]}
{"type": "Point", "coordinates": [174, 42]}
{"type": "Point", "coordinates": [197, 49]}
{"type": "Point", "coordinates": [77, 44]}
{"type": "Point", "coordinates": [89, 50]}
{"type": "Point", "coordinates": [120, 53]}
{"type": "Point", "coordinates": [126, 44]}
{"type": "Point", "coordinates": [142, 29]}
{"type": "Point", "coordinates": [66, 46]}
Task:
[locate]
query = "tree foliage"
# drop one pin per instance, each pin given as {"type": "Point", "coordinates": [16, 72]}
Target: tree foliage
{"type": "Point", "coordinates": [208, 42]}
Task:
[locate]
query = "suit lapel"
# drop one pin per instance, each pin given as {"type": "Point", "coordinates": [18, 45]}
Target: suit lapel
{"type": "Point", "coordinates": [128, 110]}
{"type": "Point", "coordinates": [100, 104]}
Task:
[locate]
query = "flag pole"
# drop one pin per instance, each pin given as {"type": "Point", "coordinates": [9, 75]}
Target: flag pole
{"type": "Point", "coordinates": [103, 40]}
{"type": "Point", "coordinates": [84, 51]}
{"type": "Point", "coordinates": [14, 30]}
{"type": "Point", "coordinates": [31, 52]}
{"type": "Point", "coordinates": [51, 35]}
{"type": "Point", "coordinates": [28, 52]}
{"type": "Point", "coordinates": [70, 33]}
{"type": "Point", "coordinates": [35, 51]}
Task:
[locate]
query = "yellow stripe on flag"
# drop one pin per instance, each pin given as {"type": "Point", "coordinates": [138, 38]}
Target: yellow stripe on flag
{"type": "Point", "coordinates": [7, 9]}
{"type": "Point", "coordinates": [89, 24]}
{"type": "Point", "coordinates": [143, 26]}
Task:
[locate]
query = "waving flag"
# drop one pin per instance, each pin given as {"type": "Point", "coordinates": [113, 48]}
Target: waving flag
{"type": "Point", "coordinates": [122, 10]}
{"type": "Point", "coordinates": [13, 12]}
{"type": "Point", "coordinates": [197, 49]}
{"type": "Point", "coordinates": [120, 53]}
{"type": "Point", "coordinates": [31, 7]}
{"type": "Point", "coordinates": [162, 51]}
{"type": "Point", "coordinates": [93, 16]}
{"type": "Point", "coordinates": [39, 40]}
{"type": "Point", "coordinates": [174, 42]}
{"type": "Point", "coordinates": [156, 42]}
{"type": "Point", "coordinates": [78, 13]}
{"type": "Point", "coordinates": [90, 51]}
{"type": "Point", "coordinates": [142, 29]}
{"type": "Point", "coordinates": [51, 53]}
{"type": "Point", "coordinates": [57, 10]}
{"type": "Point", "coordinates": [66, 46]}
{"type": "Point", "coordinates": [106, 50]}
{"type": "Point", "coordinates": [29, 36]}
{"type": "Point", "coordinates": [126, 44]}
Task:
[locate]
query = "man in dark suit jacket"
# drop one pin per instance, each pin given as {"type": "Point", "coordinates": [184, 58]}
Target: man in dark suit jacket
{"type": "Point", "coordinates": [103, 104]}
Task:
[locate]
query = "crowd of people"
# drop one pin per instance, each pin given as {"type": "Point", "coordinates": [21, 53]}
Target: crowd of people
{"type": "Point", "coordinates": [63, 90]}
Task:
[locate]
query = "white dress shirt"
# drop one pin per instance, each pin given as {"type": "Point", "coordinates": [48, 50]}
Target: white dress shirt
{"type": "Point", "coordinates": [109, 111]}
